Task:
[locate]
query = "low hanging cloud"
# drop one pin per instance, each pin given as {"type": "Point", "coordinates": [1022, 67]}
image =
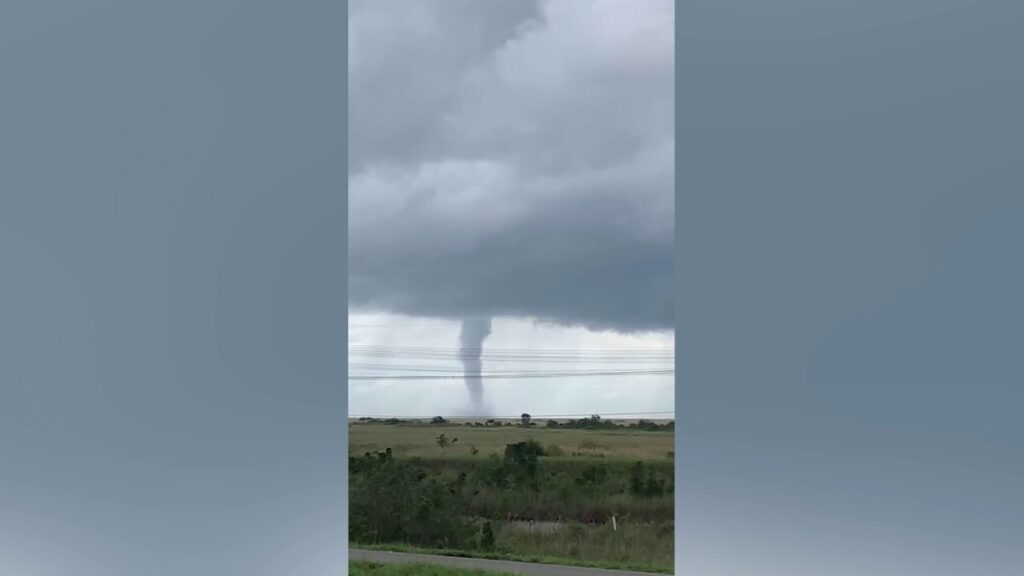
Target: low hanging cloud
{"type": "Point", "coordinates": [513, 159]}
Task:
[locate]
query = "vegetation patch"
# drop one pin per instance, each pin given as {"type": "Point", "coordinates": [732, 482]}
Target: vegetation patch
{"type": "Point", "coordinates": [525, 500]}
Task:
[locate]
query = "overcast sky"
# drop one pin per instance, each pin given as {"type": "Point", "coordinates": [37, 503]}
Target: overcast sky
{"type": "Point", "coordinates": [511, 160]}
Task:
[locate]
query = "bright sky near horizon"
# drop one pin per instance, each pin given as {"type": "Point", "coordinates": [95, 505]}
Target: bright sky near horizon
{"type": "Point", "coordinates": [538, 368]}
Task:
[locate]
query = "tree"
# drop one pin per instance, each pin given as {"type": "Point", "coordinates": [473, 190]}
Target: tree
{"type": "Point", "coordinates": [525, 418]}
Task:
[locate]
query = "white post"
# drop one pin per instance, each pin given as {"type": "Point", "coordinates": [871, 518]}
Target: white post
{"type": "Point", "coordinates": [614, 526]}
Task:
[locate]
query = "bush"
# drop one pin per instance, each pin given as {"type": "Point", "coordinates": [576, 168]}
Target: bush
{"type": "Point", "coordinates": [517, 469]}
{"type": "Point", "coordinates": [393, 501]}
{"type": "Point", "coordinates": [593, 476]}
{"type": "Point", "coordinates": [531, 448]}
{"type": "Point", "coordinates": [643, 483]}
{"type": "Point", "coordinates": [521, 459]}
{"type": "Point", "coordinates": [487, 537]}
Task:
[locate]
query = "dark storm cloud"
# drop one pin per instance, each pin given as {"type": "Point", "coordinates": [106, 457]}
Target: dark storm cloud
{"type": "Point", "coordinates": [513, 161]}
{"type": "Point", "coordinates": [406, 59]}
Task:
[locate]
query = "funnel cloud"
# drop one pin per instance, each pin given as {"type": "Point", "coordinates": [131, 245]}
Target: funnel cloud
{"type": "Point", "coordinates": [474, 332]}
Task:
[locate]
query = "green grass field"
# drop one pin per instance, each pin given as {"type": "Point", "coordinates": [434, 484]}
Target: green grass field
{"type": "Point", "coordinates": [474, 498]}
{"type": "Point", "coordinates": [420, 441]}
{"type": "Point", "coordinates": [368, 569]}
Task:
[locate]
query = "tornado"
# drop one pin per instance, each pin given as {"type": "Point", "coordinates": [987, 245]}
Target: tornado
{"type": "Point", "coordinates": [474, 332]}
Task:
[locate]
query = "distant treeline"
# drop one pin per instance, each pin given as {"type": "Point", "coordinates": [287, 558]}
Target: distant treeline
{"type": "Point", "coordinates": [594, 422]}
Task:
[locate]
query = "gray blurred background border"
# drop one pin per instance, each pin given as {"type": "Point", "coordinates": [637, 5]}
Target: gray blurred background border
{"type": "Point", "coordinates": [172, 287]}
{"type": "Point", "coordinates": [849, 224]}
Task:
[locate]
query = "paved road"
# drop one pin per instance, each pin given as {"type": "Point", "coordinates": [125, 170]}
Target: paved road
{"type": "Point", "coordinates": [506, 566]}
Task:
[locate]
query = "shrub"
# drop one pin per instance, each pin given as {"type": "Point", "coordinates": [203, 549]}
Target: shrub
{"type": "Point", "coordinates": [393, 501]}
{"type": "Point", "coordinates": [643, 483]}
{"type": "Point", "coordinates": [487, 537]}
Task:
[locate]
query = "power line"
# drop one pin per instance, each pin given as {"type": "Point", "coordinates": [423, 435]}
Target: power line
{"type": "Point", "coordinates": [516, 348]}
{"type": "Point", "coordinates": [492, 376]}
{"type": "Point", "coordinates": [459, 387]}
{"type": "Point", "coordinates": [643, 354]}
{"type": "Point", "coordinates": [461, 371]}
{"type": "Point", "coordinates": [524, 358]}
